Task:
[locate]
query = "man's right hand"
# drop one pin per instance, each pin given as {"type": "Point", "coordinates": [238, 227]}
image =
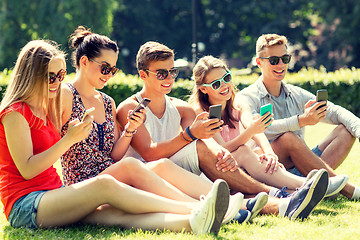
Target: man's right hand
{"type": "Point", "coordinates": [312, 115]}
{"type": "Point", "coordinates": [203, 127]}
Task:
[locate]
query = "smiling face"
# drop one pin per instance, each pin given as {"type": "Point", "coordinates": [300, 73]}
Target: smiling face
{"type": "Point", "coordinates": [93, 68]}
{"type": "Point", "coordinates": [221, 95]}
{"type": "Point", "coordinates": [273, 73]}
{"type": "Point", "coordinates": [150, 80]}
{"type": "Point", "coordinates": [55, 66]}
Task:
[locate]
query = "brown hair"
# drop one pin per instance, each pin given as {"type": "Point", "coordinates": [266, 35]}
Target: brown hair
{"type": "Point", "coordinates": [201, 69]}
{"type": "Point", "coordinates": [268, 40]}
{"type": "Point", "coordinates": [89, 44]}
{"type": "Point", "coordinates": [152, 51]}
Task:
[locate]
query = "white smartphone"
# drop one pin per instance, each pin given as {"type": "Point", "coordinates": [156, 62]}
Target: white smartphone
{"type": "Point", "coordinates": [90, 110]}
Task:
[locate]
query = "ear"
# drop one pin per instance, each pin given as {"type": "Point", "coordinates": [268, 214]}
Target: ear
{"type": "Point", "coordinates": [143, 75]}
{"type": "Point", "coordinates": [258, 62]}
{"type": "Point", "coordinates": [203, 89]}
{"type": "Point", "coordinates": [83, 61]}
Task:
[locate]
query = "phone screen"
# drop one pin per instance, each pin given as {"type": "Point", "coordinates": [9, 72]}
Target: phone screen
{"type": "Point", "coordinates": [266, 108]}
{"type": "Point", "coordinates": [321, 95]}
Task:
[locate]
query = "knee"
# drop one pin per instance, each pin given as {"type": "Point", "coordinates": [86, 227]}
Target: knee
{"type": "Point", "coordinates": [104, 182]}
{"type": "Point", "coordinates": [344, 133]}
{"type": "Point", "coordinates": [160, 165]}
{"type": "Point", "coordinates": [130, 164]}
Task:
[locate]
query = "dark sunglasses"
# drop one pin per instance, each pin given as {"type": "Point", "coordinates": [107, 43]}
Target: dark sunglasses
{"type": "Point", "coordinates": [274, 60]}
{"type": "Point", "coordinates": [162, 74]}
{"type": "Point", "coordinates": [60, 76]}
{"type": "Point", "coordinates": [217, 83]}
{"type": "Point", "coordinates": [106, 68]}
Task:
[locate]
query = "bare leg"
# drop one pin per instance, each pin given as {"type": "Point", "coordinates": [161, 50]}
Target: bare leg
{"type": "Point", "coordinates": [248, 160]}
{"type": "Point", "coordinates": [238, 180]}
{"type": "Point", "coordinates": [293, 151]}
{"type": "Point", "coordinates": [133, 172]}
{"type": "Point", "coordinates": [187, 182]}
{"type": "Point", "coordinates": [110, 216]}
{"type": "Point", "coordinates": [336, 146]}
{"type": "Point", "coordinates": [71, 204]}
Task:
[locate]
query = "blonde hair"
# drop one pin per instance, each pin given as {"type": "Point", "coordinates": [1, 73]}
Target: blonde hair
{"type": "Point", "coordinates": [200, 71]}
{"type": "Point", "coordinates": [152, 51]}
{"type": "Point", "coordinates": [269, 40]}
{"type": "Point", "coordinates": [30, 77]}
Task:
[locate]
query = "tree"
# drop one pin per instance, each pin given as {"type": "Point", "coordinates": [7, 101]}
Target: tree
{"type": "Point", "coordinates": [24, 20]}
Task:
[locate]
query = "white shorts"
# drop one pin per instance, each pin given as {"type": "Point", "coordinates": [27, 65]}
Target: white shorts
{"type": "Point", "coordinates": [187, 158]}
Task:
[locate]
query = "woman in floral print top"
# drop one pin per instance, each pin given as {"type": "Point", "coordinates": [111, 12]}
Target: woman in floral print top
{"type": "Point", "coordinates": [94, 57]}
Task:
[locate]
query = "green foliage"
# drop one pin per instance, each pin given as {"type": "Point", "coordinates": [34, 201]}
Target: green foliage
{"type": "Point", "coordinates": [23, 20]}
{"type": "Point", "coordinates": [337, 83]}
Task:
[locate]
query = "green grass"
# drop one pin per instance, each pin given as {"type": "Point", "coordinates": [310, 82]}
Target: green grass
{"type": "Point", "coordinates": [337, 219]}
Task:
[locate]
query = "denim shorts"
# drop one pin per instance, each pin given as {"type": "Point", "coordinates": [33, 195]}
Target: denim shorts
{"type": "Point", "coordinates": [24, 210]}
{"type": "Point", "coordinates": [294, 170]}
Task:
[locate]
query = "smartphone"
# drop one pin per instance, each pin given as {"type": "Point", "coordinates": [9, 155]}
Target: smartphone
{"type": "Point", "coordinates": [87, 112]}
{"type": "Point", "coordinates": [265, 109]}
{"type": "Point", "coordinates": [144, 102]}
{"type": "Point", "coordinates": [321, 95]}
{"type": "Point", "coordinates": [215, 112]}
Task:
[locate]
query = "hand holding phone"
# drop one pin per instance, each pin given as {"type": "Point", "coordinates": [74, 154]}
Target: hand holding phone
{"type": "Point", "coordinates": [265, 109]}
{"type": "Point", "coordinates": [87, 112]}
{"type": "Point", "coordinates": [144, 102]}
{"type": "Point", "coordinates": [321, 95]}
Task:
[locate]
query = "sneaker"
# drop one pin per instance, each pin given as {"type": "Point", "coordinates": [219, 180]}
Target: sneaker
{"type": "Point", "coordinates": [282, 193]}
{"type": "Point", "coordinates": [305, 199]}
{"type": "Point", "coordinates": [242, 216]}
{"type": "Point", "coordinates": [209, 214]}
{"type": "Point", "coordinates": [254, 205]}
{"type": "Point", "coordinates": [235, 204]}
{"type": "Point", "coordinates": [336, 184]}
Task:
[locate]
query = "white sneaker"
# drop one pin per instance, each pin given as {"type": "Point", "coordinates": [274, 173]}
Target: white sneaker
{"type": "Point", "coordinates": [209, 214]}
{"type": "Point", "coordinates": [234, 207]}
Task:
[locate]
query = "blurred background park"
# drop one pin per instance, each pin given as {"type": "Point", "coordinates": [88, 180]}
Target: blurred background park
{"type": "Point", "coordinates": [321, 32]}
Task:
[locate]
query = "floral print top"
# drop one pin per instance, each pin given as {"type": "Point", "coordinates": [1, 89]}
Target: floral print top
{"type": "Point", "coordinates": [91, 156]}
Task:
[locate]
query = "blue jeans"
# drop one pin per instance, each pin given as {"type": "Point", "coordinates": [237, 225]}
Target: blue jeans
{"type": "Point", "coordinates": [294, 170]}
{"type": "Point", "coordinates": [24, 210]}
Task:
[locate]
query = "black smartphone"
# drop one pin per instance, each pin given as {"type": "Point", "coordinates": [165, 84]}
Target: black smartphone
{"type": "Point", "coordinates": [215, 112]}
{"type": "Point", "coordinates": [144, 102]}
{"type": "Point", "coordinates": [321, 95]}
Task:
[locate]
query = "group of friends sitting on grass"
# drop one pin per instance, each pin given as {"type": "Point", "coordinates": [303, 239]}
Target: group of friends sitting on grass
{"type": "Point", "coordinates": [167, 164]}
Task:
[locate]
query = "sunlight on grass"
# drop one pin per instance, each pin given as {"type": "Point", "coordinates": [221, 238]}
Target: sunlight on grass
{"type": "Point", "coordinates": [338, 219]}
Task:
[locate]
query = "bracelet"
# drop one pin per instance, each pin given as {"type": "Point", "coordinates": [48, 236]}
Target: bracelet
{"type": "Point", "coordinates": [132, 133]}
{"type": "Point", "coordinates": [128, 132]}
{"type": "Point", "coordinates": [182, 134]}
{"type": "Point", "coordinates": [189, 133]}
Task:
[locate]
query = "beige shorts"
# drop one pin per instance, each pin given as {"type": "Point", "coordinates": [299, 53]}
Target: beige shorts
{"type": "Point", "coordinates": [187, 158]}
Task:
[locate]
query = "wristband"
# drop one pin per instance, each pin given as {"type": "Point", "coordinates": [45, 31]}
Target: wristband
{"type": "Point", "coordinates": [189, 133]}
{"type": "Point", "coordinates": [182, 134]}
{"type": "Point", "coordinates": [132, 133]}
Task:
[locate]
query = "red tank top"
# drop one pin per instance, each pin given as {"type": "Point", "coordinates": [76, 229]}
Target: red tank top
{"type": "Point", "coordinates": [12, 184]}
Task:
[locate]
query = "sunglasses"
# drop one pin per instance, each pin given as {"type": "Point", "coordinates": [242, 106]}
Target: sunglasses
{"type": "Point", "coordinates": [162, 74]}
{"type": "Point", "coordinates": [106, 68]}
{"type": "Point", "coordinates": [274, 60]}
{"type": "Point", "coordinates": [217, 83]}
{"type": "Point", "coordinates": [60, 76]}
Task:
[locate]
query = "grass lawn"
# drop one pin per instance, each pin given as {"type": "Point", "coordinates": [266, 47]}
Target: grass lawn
{"type": "Point", "coordinates": [337, 219]}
